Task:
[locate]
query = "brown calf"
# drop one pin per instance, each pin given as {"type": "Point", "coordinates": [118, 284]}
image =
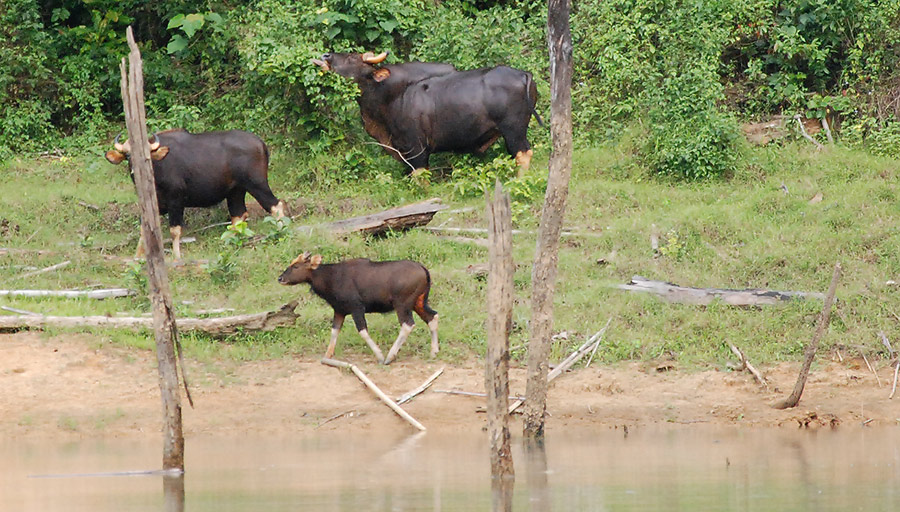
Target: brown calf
{"type": "Point", "coordinates": [360, 286]}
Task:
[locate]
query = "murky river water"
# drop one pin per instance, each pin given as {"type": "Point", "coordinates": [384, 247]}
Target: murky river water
{"type": "Point", "coordinates": [691, 469]}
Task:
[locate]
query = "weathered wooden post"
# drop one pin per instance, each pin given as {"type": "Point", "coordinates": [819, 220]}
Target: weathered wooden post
{"type": "Point", "coordinates": [160, 297]}
{"type": "Point", "coordinates": [543, 275]}
{"type": "Point", "coordinates": [810, 352]}
{"type": "Point", "coordinates": [499, 303]}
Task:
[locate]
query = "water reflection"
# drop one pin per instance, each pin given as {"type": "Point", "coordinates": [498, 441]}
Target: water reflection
{"type": "Point", "coordinates": [596, 470]}
{"type": "Point", "coordinates": [173, 493]}
{"type": "Point", "coordinates": [536, 473]}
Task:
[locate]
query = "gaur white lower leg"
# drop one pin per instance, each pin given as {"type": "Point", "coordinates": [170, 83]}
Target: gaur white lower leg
{"type": "Point", "coordinates": [433, 325]}
{"type": "Point", "coordinates": [523, 160]}
{"type": "Point", "coordinates": [277, 211]}
{"type": "Point", "coordinates": [176, 241]}
{"type": "Point", "coordinates": [371, 343]}
{"type": "Point", "coordinates": [336, 325]}
{"type": "Point", "coordinates": [405, 329]}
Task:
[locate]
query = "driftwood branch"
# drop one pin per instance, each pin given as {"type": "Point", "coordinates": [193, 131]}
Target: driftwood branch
{"type": "Point", "coordinates": [745, 363]}
{"type": "Point", "coordinates": [471, 393]}
{"type": "Point", "coordinates": [894, 361]}
{"type": "Point", "coordinates": [514, 231]}
{"type": "Point", "coordinates": [375, 389]}
{"type": "Point", "coordinates": [406, 397]}
{"type": "Point", "coordinates": [869, 366]}
{"type": "Point", "coordinates": [218, 326]}
{"type": "Point", "coordinates": [567, 363]}
{"type": "Point", "coordinates": [704, 296]}
{"type": "Point", "coordinates": [69, 294]}
{"type": "Point", "coordinates": [47, 269]}
{"type": "Point", "coordinates": [827, 129]}
{"type": "Point", "coordinates": [400, 218]}
{"type": "Point", "coordinates": [806, 136]}
{"type": "Point", "coordinates": [810, 352]}
{"type": "Point", "coordinates": [18, 311]}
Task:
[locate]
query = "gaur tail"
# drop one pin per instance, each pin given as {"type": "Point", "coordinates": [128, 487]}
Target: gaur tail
{"type": "Point", "coordinates": [422, 300]}
{"type": "Point", "coordinates": [533, 96]}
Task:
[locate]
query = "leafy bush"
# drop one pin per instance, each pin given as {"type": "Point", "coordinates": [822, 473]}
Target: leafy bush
{"type": "Point", "coordinates": [26, 84]}
{"type": "Point", "coordinates": [696, 147]}
{"type": "Point", "coordinates": [477, 179]}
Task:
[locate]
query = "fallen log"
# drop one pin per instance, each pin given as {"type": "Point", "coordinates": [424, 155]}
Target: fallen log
{"type": "Point", "coordinates": [70, 294]}
{"type": "Point", "coordinates": [704, 296]}
{"type": "Point", "coordinates": [266, 321]}
{"type": "Point", "coordinates": [396, 219]}
{"type": "Point", "coordinates": [375, 389]}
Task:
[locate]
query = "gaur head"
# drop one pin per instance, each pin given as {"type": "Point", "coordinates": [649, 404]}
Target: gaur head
{"type": "Point", "coordinates": [123, 151]}
{"type": "Point", "coordinates": [357, 66]}
{"type": "Point", "coordinates": [300, 269]}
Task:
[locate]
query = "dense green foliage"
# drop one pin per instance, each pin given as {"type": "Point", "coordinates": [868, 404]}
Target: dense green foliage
{"type": "Point", "coordinates": [684, 70]}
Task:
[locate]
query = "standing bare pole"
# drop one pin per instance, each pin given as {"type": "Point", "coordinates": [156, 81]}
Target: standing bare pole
{"type": "Point", "coordinates": [160, 296]}
{"type": "Point", "coordinates": [810, 352]}
{"type": "Point", "coordinates": [499, 304]}
{"type": "Point", "coordinates": [543, 275]}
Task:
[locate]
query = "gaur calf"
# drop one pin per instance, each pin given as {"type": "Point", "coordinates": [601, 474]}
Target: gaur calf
{"type": "Point", "coordinates": [202, 169]}
{"type": "Point", "coordinates": [359, 286]}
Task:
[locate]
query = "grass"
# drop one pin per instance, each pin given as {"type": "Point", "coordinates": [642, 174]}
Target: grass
{"type": "Point", "coordinates": [757, 229]}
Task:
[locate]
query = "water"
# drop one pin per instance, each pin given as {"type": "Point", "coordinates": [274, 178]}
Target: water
{"type": "Point", "coordinates": [691, 469]}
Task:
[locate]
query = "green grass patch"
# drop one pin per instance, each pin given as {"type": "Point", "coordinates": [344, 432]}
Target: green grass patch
{"type": "Point", "coordinates": [764, 227]}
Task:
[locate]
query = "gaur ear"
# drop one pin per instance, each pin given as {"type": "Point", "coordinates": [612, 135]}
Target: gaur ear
{"type": "Point", "coordinates": [315, 261]}
{"type": "Point", "coordinates": [160, 153]}
{"type": "Point", "coordinates": [114, 156]}
{"type": "Point", "coordinates": [381, 74]}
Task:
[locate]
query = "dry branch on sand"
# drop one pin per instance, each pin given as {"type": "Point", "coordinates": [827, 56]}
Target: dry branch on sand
{"type": "Point", "coordinates": [265, 321]}
{"type": "Point", "coordinates": [745, 363]}
{"type": "Point", "coordinates": [375, 389]}
{"type": "Point", "coordinates": [406, 397]}
{"type": "Point", "coordinates": [567, 363]}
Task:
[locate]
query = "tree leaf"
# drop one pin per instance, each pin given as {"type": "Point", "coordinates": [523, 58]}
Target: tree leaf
{"type": "Point", "coordinates": [388, 25]}
{"type": "Point", "coordinates": [175, 22]}
{"type": "Point", "coordinates": [192, 23]}
{"type": "Point", "coordinates": [176, 44]}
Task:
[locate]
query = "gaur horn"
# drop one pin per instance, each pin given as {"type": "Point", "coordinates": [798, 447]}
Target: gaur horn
{"type": "Point", "coordinates": [371, 58]}
{"type": "Point", "coordinates": [122, 148]}
{"type": "Point", "coordinates": [155, 144]}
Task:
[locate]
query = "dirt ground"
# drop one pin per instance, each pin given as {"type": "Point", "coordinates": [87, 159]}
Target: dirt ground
{"type": "Point", "coordinates": [65, 387]}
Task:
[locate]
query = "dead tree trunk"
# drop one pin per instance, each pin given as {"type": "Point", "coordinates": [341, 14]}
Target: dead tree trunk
{"type": "Point", "coordinates": [543, 275]}
{"type": "Point", "coordinates": [499, 304]}
{"type": "Point", "coordinates": [160, 297]}
{"type": "Point", "coordinates": [810, 352]}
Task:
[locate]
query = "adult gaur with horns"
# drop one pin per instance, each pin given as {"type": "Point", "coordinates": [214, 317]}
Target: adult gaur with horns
{"type": "Point", "coordinates": [201, 170]}
{"type": "Point", "coordinates": [418, 108]}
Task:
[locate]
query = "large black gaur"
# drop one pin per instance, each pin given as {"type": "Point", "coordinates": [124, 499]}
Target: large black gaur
{"type": "Point", "coordinates": [418, 108]}
{"type": "Point", "coordinates": [202, 169]}
{"type": "Point", "coordinates": [359, 286]}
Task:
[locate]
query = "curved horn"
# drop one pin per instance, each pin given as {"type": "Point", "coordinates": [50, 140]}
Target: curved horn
{"type": "Point", "coordinates": [119, 147]}
{"type": "Point", "coordinates": [371, 58]}
{"type": "Point", "coordinates": [155, 144]}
